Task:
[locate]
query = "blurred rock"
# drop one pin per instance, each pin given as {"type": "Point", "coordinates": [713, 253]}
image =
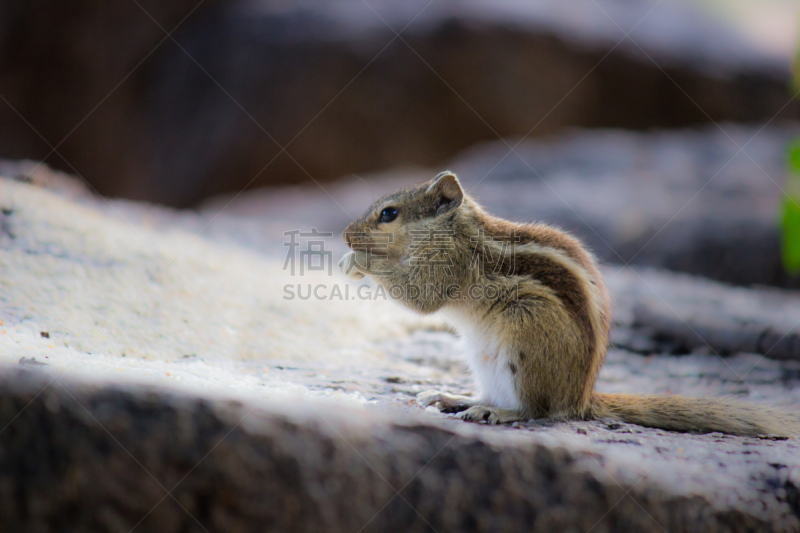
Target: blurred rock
{"type": "Point", "coordinates": [681, 314]}
{"type": "Point", "coordinates": [686, 200]}
{"type": "Point", "coordinates": [112, 459]}
{"type": "Point", "coordinates": [704, 202]}
{"type": "Point", "coordinates": [333, 83]}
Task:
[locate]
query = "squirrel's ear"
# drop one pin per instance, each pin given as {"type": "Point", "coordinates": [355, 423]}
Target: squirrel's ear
{"type": "Point", "coordinates": [447, 190]}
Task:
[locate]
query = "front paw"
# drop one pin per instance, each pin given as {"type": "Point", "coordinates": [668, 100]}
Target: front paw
{"type": "Point", "coordinates": [351, 265]}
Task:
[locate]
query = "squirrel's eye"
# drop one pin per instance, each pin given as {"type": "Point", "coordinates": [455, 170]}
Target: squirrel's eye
{"type": "Point", "coordinates": [388, 214]}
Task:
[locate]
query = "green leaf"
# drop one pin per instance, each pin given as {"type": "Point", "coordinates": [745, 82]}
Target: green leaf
{"type": "Point", "coordinates": [791, 235]}
{"type": "Point", "coordinates": [793, 156]}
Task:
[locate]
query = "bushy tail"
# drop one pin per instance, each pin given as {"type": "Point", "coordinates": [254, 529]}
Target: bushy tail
{"type": "Point", "coordinates": [681, 413]}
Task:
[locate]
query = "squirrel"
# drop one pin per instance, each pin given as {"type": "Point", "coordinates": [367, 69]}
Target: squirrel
{"type": "Point", "coordinates": [532, 308]}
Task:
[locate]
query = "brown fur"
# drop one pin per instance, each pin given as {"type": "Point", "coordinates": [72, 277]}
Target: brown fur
{"type": "Point", "coordinates": [547, 325]}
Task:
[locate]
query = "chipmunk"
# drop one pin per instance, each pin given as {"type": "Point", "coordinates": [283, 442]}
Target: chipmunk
{"type": "Point", "coordinates": [532, 309]}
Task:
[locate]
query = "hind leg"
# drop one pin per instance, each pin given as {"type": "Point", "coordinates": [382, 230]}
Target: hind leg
{"type": "Point", "coordinates": [492, 415]}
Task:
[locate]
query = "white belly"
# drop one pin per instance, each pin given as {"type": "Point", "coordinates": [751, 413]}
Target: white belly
{"type": "Point", "coordinates": [488, 362]}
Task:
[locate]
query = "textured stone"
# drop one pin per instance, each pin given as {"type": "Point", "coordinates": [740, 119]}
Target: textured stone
{"type": "Point", "coordinates": [118, 460]}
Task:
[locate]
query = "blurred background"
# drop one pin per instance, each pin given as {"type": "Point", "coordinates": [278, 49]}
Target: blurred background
{"type": "Point", "coordinates": [654, 129]}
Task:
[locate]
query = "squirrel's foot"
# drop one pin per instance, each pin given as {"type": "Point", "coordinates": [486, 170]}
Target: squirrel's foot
{"type": "Point", "coordinates": [491, 415]}
{"type": "Point", "coordinates": [446, 403]}
{"type": "Point", "coordinates": [352, 264]}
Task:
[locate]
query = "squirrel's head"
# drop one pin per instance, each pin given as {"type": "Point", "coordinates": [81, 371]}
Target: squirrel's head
{"type": "Point", "coordinates": [395, 222]}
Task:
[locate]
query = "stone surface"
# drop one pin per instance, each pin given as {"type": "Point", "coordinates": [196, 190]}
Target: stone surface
{"type": "Point", "coordinates": [139, 358]}
{"type": "Point", "coordinates": [116, 460]}
{"type": "Point", "coordinates": [333, 84]}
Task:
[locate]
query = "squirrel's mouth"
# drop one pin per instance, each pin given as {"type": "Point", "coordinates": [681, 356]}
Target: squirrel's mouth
{"type": "Point", "coordinates": [355, 243]}
{"type": "Point", "coordinates": [371, 248]}
{"type": "Point", "coordinates": [376, 243]}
